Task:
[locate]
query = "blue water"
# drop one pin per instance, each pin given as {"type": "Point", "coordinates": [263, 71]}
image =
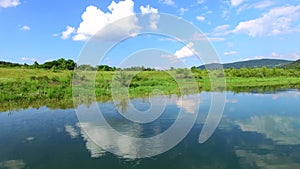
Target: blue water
{"type": "Point", "coordinates": [257, 130]}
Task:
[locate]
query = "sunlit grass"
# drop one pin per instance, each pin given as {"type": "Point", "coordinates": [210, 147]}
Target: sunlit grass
{"type": "Point", "coordinates": [21, 86]}
{"type": "Point", "coordinates": [12, 74]}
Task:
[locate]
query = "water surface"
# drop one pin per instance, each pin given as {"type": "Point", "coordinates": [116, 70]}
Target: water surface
{"type": "Point", "coordinates": [256, 131]}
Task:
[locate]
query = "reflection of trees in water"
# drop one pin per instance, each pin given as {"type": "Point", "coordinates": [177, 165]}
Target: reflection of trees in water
{"type": "Point", "coordinates": [120, 90]}
{"type": "Point", "coordinates": [123, 78]}
{"type": "Point", "coordinates": [271, 160]}
{"type": "Point", "coordinates": [88, 99]}
{"type": "Point", "coordinates": [49, 103]}
{"type": "Point", "coordinates": [122, 104]}
{"type": "Point", "coordinates": [261, 89]}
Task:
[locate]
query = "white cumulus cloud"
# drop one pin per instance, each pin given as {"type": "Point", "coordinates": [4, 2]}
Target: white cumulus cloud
{"type": "Point", "coordinates": [278, 20]}
{"type": "Point", "coordinates": [202, 37]}
{"type": "Point", "coordinates": [154, 17]}
{"type": "Point", "coordinates": [28, 59]}
{"type": "Point", "coordinates": [274, 55]}
{"type": "Point", "coordinates": [148, 10]}
{"type": "Point", "coordinates": [200, 1]}
{"type": "Point", "coordinates": [221, 30]}
{"type": "Point", "coordinates": [186, 51]}
{"type": "Point", "coordinates": [94, 19]}
{"type": "Point", "coordinates": [167, 2]}
{"type": "Point", "coordinates": [290, 56]}
{"type": "Point", "coordinates": [9, 3]}
{"type": "Point", "coordinates": [183, 10]}
{"type": "Point", "coordinates": [25, 28]}
{"type": "Point", "coordinates": [236, 2]}
{"type": "Point", "coordinates": [200, 18]}
{"type": "Point", "coordinates": [66, 34]}
{"type": "Point", "coordinates": [55, 34]}
{"type": "Point", "coordinates": [230, 53]}
{"type": "Point", "coordinates": [264, 4]}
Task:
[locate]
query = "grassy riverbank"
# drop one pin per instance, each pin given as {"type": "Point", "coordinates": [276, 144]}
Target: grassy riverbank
{"type": "Point", "coordinates": [23, 87]}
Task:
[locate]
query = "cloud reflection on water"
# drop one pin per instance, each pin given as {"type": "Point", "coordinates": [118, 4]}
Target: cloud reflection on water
{"type": "Point", "coordinates": [101, 137]}
{"type": "Point", "coordinates": [280, 129]}
{"type": "Point", "coordinates": [12, 164]}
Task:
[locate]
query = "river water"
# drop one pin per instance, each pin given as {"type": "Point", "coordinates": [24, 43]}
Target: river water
{"type": "Point", "coordinates": [257, 130]}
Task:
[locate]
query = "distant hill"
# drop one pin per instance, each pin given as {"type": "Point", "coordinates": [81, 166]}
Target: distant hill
{"type": "Point", "coordinates": [270, 63]}
{"type": "Point", "coordinates": [292, 65]}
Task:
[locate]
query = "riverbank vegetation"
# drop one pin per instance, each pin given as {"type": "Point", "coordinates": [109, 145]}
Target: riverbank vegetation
{"type": "Point", "coordinates": [34, 86]}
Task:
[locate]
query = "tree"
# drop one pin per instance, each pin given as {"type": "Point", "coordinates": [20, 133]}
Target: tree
{"type": "Point", "coordinates": [86, 67]}
{"type": "Point", "coordinates": [60, 64]}
{"type": "Point", "coordinates": [183, 72]}
{"type": "Point", "coordinates": [264, 71]}
{"type": "Point", "coordinates": [193, 68]}
{"type": "Point", "coordinates": [105, 68]}
{"type": "Point", "coordinates": [35, 64]}
{"type": "Point", "coordinates": [123, 78]}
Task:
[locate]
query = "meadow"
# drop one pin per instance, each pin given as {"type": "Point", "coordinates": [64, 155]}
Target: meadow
{"type": "Point", "coordinates": [34, 87]}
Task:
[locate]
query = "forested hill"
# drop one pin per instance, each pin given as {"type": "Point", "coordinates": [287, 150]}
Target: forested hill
{"type": "Point", "coordinates": [292, 65]}
{"type": "Point", "coordinates": [270, 63]}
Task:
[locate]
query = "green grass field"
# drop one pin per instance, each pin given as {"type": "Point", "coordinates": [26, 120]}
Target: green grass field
{"type": "Point", "coordinates": [23, 87]}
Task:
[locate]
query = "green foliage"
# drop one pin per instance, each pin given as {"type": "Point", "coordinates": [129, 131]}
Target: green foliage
{"type": "Point", "coordinates": [86, 67]}
{"type": "Point", "coordinates": [269, 63]}
{"type": "Point", "coordinates": [35, 64]}
{"type": "Point", "coordinates": [60, 64]}
{"type": "Point", "coordinates": [22, 85]}
{"type": "Point", "coordinates": [293, 65]}
{"type": "Point", "coordinates": [9, 64]}
{"type": "Point", "coordinates": [105, 68]}
{"type": "Point", "coordinates": [123, 78]}
{"type": "Point", "coordinates": [139, 68]}
{"type": "Point", "coordinates": [261, 72]}
{"type": "Point", "coordinates": [183, 73]}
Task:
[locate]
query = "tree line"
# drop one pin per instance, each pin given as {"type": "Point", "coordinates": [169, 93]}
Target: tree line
{"type": "Point", "coordinates": [63, 64]}
{"type": "Point", "coordinates": [60, 64]}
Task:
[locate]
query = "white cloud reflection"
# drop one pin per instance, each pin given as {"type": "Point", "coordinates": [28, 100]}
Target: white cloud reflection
{"type": "Point", "coordinates": [278, 128]}
{"type": "Point", "coordinates": [188, 104]}
{"type": "Point", "coordinates": [126, 139]}
{"type": "Point", "coordinates": [122, 145]}
{"type": "Point", "coordinates": [12, 164]}
{"type": "Point", "coordinates": [71, 131]}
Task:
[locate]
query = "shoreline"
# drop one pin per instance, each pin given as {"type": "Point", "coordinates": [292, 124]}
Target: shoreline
{"type": "Point", "coordinates": [23, 88]}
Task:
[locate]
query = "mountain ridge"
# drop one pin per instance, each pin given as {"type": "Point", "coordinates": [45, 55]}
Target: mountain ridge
{"type": "Point", "coordinates": [292, 65]}
{"type": "Point", "coordinates": [255, 63]}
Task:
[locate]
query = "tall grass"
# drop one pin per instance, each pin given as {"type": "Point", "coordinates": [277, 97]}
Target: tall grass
{"type": "Point", "coordinates": [21, 87]}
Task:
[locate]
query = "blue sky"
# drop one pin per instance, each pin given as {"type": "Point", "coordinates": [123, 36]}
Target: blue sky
{"type": "Point", "coordinates": [238, 29]}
